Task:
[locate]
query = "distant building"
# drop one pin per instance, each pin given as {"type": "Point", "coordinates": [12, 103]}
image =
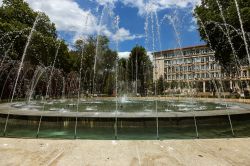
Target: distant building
{"type": "Point", "coordinates": [195, 63]}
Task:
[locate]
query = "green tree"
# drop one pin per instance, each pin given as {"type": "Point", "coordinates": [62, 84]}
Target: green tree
{"type": "Point", "coordinates": [140, 69]}
{"type": "Point", "coordinates": [17, 19]}
{"type": "Point", "coordinates": [105, 64]}
{"type": "Point", "coordinates": [123, 76]}
{"type": "Point", "coordinates": [16, 22]}
{"type": "Point", "coordinates": [160, 86]}
{"type": "Point", "coordinates": [214, 31]}
{"type": "Point", "coordinates": [123, 69]}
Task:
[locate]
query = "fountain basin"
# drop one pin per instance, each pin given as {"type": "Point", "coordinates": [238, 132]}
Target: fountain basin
{"type": "Point", "coordinates": [126, 109]}
{"type": "Point", "coordinates": [95, 124]}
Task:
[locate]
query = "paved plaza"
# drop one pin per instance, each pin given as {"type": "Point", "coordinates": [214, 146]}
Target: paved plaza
{"type": "Point", "coordinates": [224, 152]}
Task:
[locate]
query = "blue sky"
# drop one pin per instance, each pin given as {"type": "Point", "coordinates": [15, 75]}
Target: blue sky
{"type": "Point", "coordinates": [79, 18]}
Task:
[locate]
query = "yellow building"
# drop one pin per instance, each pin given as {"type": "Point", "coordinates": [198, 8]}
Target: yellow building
{"type": "Point", "coordinates": [195, 63]}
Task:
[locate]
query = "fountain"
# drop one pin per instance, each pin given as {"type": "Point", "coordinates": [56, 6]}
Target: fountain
{"type": "Point", "coordinates": [122, 115]}
{"type": "Point", "coordinates": [80, 80]}
{"type": "Point", "coordinates": [47, 89]}
{"type": "Point", "coordinates": [21, 66]}
{"type": "Point", "coordinates": [173, 20]}
{"type": "Point", "coordinates": [242, 30]}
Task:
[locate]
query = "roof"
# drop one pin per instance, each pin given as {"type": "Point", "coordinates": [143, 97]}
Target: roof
{"type": "Point", "coordinates": [181, 49]}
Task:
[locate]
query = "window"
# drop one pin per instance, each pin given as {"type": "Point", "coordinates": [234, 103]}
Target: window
{"type": "Point", "coordinates": [212, 66]}
{"type": "Point", "coordinates": [181, 68]}
{"type": "Point", "coordinates": [198, 60]}
{"type": "Point", "coordinates": [244, 73]}
{"type": "Point", "coordinates": [202, 60]}
{"type": "Point", "coordinates": [197, 51]}
{"type": "Point", "coordinates": [207, 59]}
{"type": "Point", "coordinates": [177, 69]}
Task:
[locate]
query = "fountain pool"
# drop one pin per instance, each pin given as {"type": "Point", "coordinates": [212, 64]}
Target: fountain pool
{"type": "Point", "coordinates": [128, 106]}
{"type": "Point", "coordinates": [136, 119]}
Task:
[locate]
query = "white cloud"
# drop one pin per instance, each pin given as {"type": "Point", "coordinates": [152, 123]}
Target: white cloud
{"type": "Point", "coordinates": [145, 6]}
{"type": "Point", "coordinates": [193, 25]}
{"type": "Point", "coordinates": [157, 5]}
{"type": "Point", "coordinates": [192, 28]}
{"type": "Point", "coordinates": [126, 55]}
{"type": "Point", "coordinates": [105, 2]}
{"type": "Point", "coordinates": [123, 55]}
{"type": "Point", "coordinates": [67, 15]}
{"type": "Point", "coordinates": [150, 54]}
{"type": "Point", "coordinates": [124, 34]}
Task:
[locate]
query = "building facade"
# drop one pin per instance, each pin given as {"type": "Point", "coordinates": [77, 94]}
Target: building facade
{"type": "Point", "coordinates": [195, 63]}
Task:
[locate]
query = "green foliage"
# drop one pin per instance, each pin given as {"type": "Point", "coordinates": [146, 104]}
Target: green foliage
{"type": "Point", "coordinates": [215, 33]}
{"type": "Point", "coordinates": [105, 63]}
{"type": "Point", "coordinates": [160, 86]}
{"type": "Point", "coordinates": [140, 69]}
{"type": "Point", "coordinates": [16, 15]}
{"type": "Point", "coordinates": [174, 84]}
{"type": "Point", "coordinates": [16, 21]}
{"type": "Point", "coordinates": [123, 70]}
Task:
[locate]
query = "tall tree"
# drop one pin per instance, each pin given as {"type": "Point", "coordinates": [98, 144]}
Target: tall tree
{"type": "Point", "coordinates": [160, 86]}
{"type": "Point", "coordinates": [105, 63]}
{"type": "Point", "coordinates": [123, 70]}
{"type": "Point", "coordinates": [16, 22]}
{"type": "Point", "coordinates": [140, 69]}
{"type": "Point", "coordinates": [218, 34]}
